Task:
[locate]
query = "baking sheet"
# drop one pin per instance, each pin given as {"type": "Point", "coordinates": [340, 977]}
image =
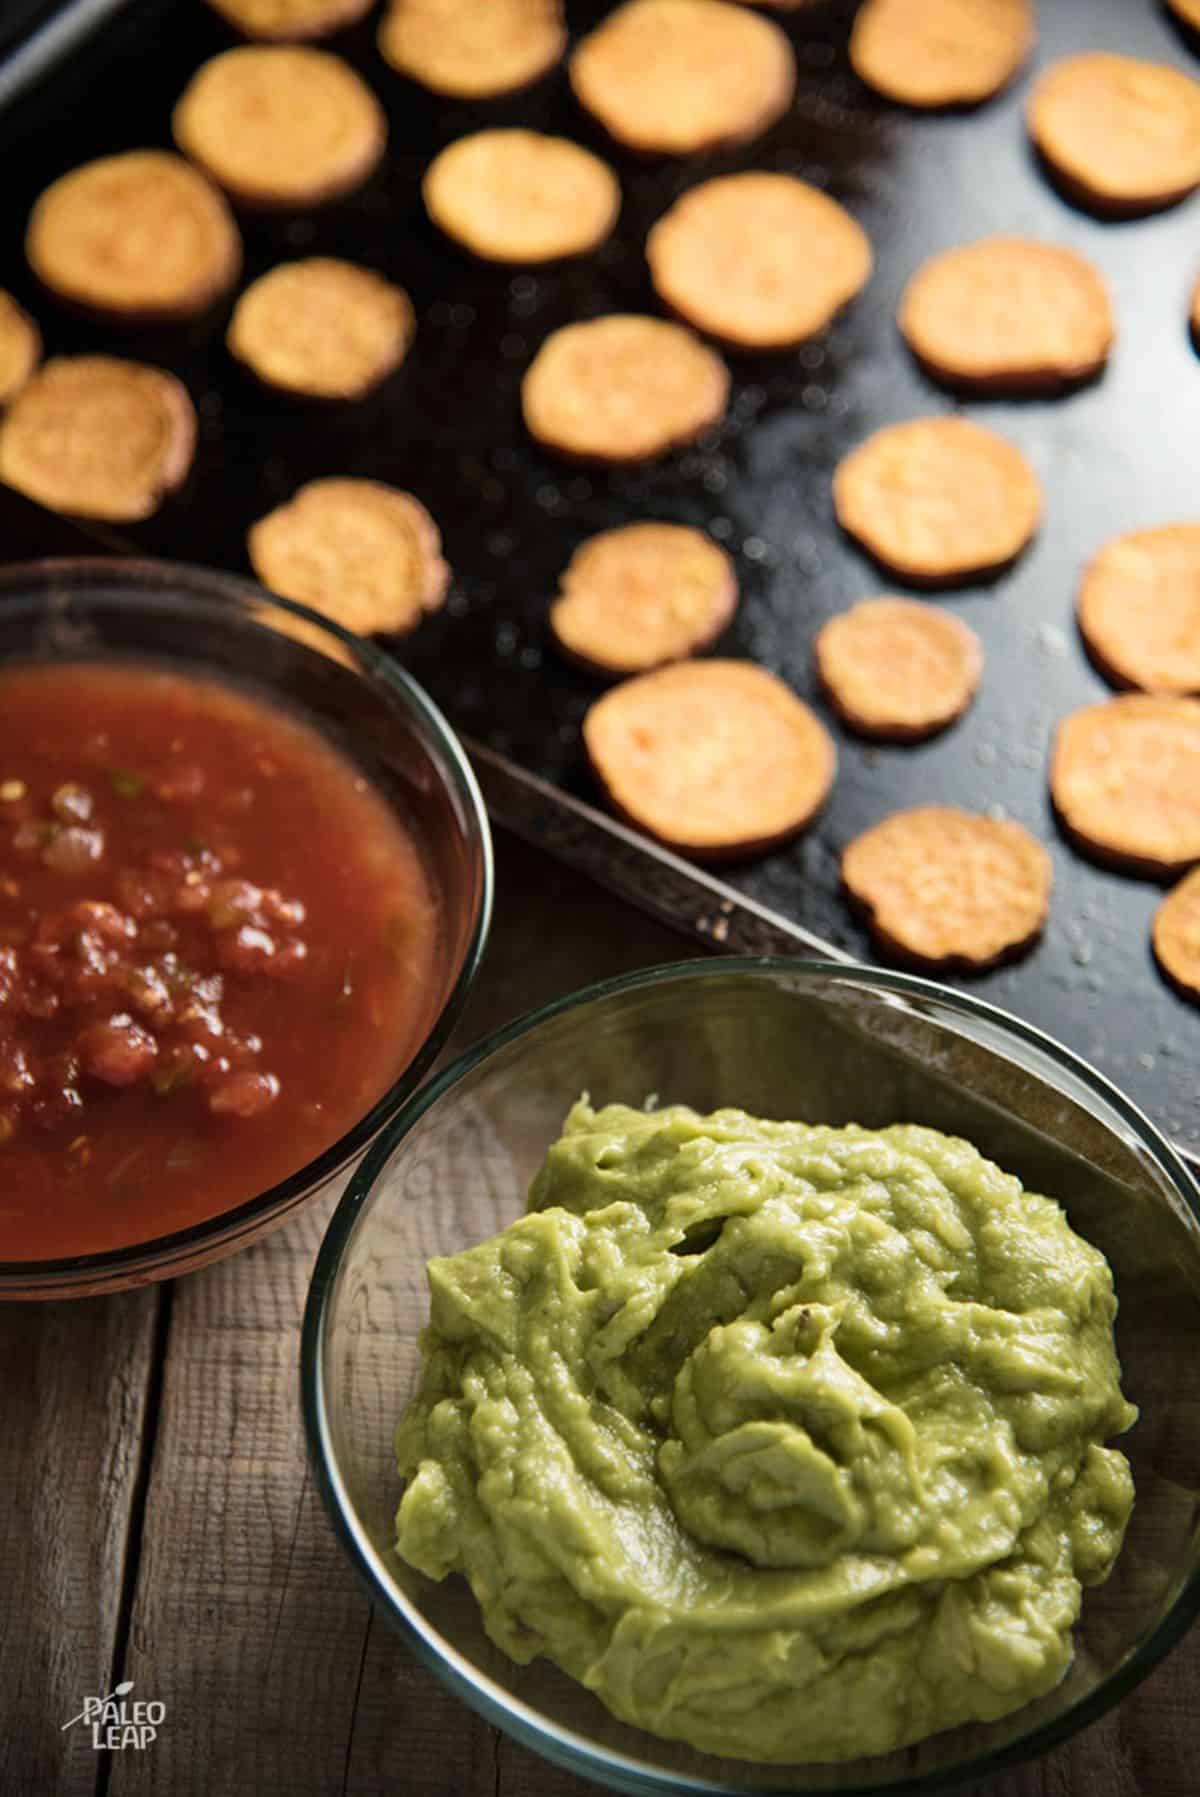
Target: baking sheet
{"type": "Point", "coordinates": [1120, 455]}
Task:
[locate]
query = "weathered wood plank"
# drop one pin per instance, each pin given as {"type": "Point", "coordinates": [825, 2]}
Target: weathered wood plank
{"type": "Point", "coordinates": [75, 1378]}
{"type": "Point", "coordinates": [1143, 1748]}
{"type": "Point", "coordinates": [247, 1623]}
{"type": "Point", "coordinates": [410, 1735]}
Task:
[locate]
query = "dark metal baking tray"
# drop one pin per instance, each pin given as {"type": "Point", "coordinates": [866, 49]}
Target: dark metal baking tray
{"type": "Point", "coordinates": [1116, 456]}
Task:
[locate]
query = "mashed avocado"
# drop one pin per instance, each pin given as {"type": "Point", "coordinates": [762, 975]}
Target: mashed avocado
{"type": "Point", "coordinates": [785, 1441]}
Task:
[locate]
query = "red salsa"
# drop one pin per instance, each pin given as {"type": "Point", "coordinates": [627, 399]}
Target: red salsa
{"type": "Point", "coordinates": [218, 948]}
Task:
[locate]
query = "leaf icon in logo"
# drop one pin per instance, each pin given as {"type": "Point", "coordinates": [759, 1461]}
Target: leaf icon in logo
{"type": "Point", "coordinates": [121, 1690]}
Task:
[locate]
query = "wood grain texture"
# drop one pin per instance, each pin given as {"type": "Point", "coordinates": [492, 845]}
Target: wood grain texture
{"type": "Point", "coordinates": [246, 1623]}
{"type": "Point", "coordinates": [411, 1735]}
{"type": "Point", "coordinates": [74, 1379]}
{"type": "Point", "coordinates": [1143, 1748]}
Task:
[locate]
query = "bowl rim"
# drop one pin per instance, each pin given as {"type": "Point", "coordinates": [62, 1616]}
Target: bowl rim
{"type": "Point", "coordinates": [149, 578]}
{"type": "Point", "coordinates": [513, 1715]}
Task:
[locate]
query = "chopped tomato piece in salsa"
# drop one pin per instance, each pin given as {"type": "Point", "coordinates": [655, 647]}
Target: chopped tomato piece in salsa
{"type": "Point", "coordinates": [218, 948]}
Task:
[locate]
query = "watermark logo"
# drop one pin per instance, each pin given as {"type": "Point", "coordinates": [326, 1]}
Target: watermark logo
{"type": "Point", "coordinates": [115, 1724]}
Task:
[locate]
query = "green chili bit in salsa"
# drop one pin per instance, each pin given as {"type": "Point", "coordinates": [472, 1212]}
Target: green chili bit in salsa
{"type": "Point", "coordinates": [218, 948]}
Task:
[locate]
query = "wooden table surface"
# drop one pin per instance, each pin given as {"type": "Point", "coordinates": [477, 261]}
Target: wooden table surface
{"type": "Point", "coordinates": [158, 1522]}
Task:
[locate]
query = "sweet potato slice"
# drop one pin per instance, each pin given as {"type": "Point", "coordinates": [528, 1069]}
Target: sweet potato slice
{"type": "Point", "coordinates": [367, 555]}
{"type": "Point", "coordinates": [1121, 135]}
{"type": "Point", "coordinates": [473, 52]}
{"type": "Point", "coordinates": [521, 197]}
{"type": "Point", "coordinates": [280, 126]}
{"type": "Point", "coordinates": [1175, 935]}
{"type": "Point", "coordinates": [761, 261]}
{"type": "Point", "coordinates": [290, 21]}
{"type": "Point", "coordinates": [718, 759]}
{"type": "Point", "coordinates": [98, 437]}
{"type": "Point", "coordinates": [938, 500]}
{"type": "Point", "coordinates": [642, 595]}
{"type": "Point", "coordinates": [622, 389]}
{"type": "Point", "coordinates": [933, 53]}
{"type": "Point", "coordinates": [20, 347]}
{"type": "Point", "coordinates": [142, 238]}
{"type": "Point", "coordinates": [1008, 315]}
{"type": "Point", "coordinates": [898, 669]}
{"type": "Point", "coordinates": [675, 77]}
{"type": "Point", "coordinates": [1139, 609]}
{"type": "Point", "coordinates": [321, 328]}
{"type": "Point", "coordinates": [948, 888]}
{"type": "Point", "coordinates": [1125, 780]}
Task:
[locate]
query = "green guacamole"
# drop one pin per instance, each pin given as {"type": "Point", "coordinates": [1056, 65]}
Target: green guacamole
{"type": "Point", "coordinates": [785, 1441]}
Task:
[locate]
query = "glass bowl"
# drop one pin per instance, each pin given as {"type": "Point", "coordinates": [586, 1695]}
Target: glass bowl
{"type": "Point", "coordinates": [359, 699]}
{"type": "Point", "coordinates": [784, 1039]}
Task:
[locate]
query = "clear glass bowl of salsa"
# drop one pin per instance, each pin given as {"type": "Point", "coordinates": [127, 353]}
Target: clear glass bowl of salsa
{"type": "Point", "coordinates": [789, 1040]}
{"type": "Point", "coordinates": [245, 883]}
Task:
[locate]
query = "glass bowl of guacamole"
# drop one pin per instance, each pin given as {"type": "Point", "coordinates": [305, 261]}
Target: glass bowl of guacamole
{"type": "Point", "coordinates": [767, 1376]}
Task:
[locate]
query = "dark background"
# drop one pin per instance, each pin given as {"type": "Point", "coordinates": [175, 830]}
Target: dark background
{"type": "Point", "coordinates": [20, 18]}
{"type": "Point", "coordinates": [1121, 455]}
